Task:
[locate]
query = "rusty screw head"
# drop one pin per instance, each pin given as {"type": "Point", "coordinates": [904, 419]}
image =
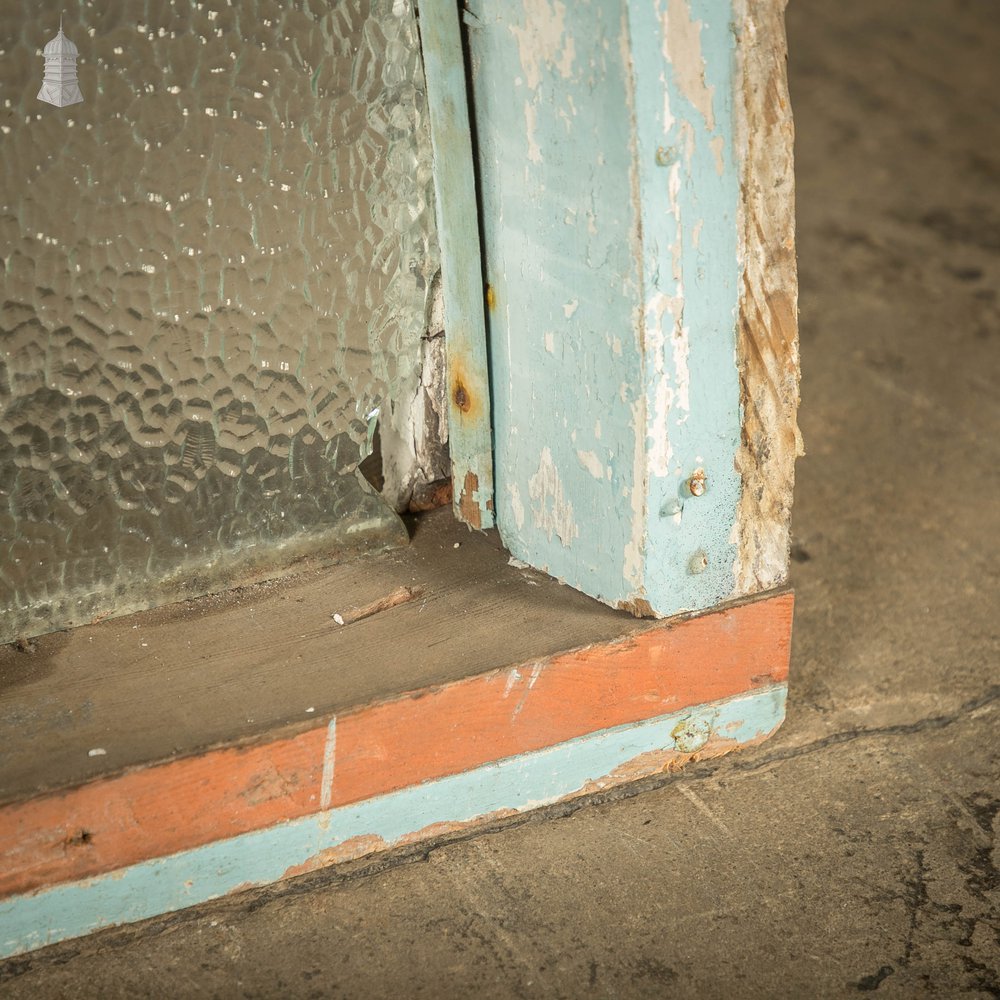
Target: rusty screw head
{"type": "Point", "coordinates": [461, 397]}
{"type": "Point", "coordinates": [698, 563]}
{"type": "Point", "coordinates": [698, 483]}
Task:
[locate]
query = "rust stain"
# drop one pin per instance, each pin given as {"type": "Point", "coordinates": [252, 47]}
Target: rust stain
{"type": "Point", "coordinates": [468, 505]}
{"type": "Point", "coordinates": [698, 483]}
{"type": "Point", "coordinates": [461, 397]}
{"type": "Point", "coordinates": [465, 391]}
{"type": "Point", "coordinates": [491, 298]}
{"type": "Point", "coordinates": [431, 496]}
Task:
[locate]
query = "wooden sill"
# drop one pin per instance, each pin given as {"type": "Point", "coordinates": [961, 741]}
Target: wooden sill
{"type": "Point", "coordinates": [259, 734]}
{"type": "Point", "coordinates": [230, 667]}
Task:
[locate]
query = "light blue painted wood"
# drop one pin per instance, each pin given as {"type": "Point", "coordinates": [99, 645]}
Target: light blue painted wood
{"type": "Point", "coordinates": [689, 193]}
{"type": "Point", "coordinates": [469, 426]}
{"type": "Point", "coordinates": [526, 782]}
{"type": "Point", "coordinates": [609, 192]}
{"type": "Point", "coordinates": [551, 101]}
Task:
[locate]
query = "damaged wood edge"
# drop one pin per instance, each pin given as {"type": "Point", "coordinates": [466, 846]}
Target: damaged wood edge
{"type": "Point", "coordinates": [767, 329]}
{"type": "Point", "coordinates": [182, 803]}
{"type": "Point", "coordinates": [593, 763]}
{"type": "Point", "coordinates": [469, 422]}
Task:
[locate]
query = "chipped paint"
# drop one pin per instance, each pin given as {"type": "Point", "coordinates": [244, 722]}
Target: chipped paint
{"type": "Point", "coordinates": [469, 431]}
{"type": "Point", "coordinates": [558, 243]}
{"type": "Point", "coordinates": [542, 41]}
{"type": "Point", "coordinates": [578, 766]}
{"type": "Point", "coordinates": [530, 128]}
{"type": "Point", "coordinates": [591, 463]}
{"type": "Point", "coordinates": [691, 278]}
{"type": "Point", "coordinates": [551, 509]}
{"type": "Point", "coordinates": [516, 506]}
{"type": "Point", "coordinates": [681, 41]}
{"type": "Point", "coordinates": [619, 232]}
{"type": "Point", "coordinates": [468, 502]}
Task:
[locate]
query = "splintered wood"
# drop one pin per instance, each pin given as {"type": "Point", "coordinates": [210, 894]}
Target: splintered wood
{"type": "Point", "coordinates": [768, 326]}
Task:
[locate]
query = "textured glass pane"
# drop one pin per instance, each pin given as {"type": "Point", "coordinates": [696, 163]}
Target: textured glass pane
{"type": "Point", "coordinates": [214, 270]}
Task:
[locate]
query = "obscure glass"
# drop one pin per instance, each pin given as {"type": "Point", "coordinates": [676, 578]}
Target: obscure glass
{"type": "Point", "coordinates": [214, 271]}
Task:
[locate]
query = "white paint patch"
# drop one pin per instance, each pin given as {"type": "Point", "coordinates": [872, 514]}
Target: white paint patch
{"type": "Point", "coordinates": [512, 678]}
{"type": "Point", "coordinates": [687, 140]}
{"type": "Point", "coordinates": [665, 390]}
{"type": "Point", "coordinates": [668, 117]}
{"type": "Point", "coordinates": [591, 463]}
{"type": "Point", "coordinates": [682, 374]}
{"type": "Point", "coordinates": [531, 126]}
{"type": "Point", "coordinates": [550, 342]}
{"type": "Point", "coordinates": [552, 510]}
{"type": "Point", "coordinates": [696, 233]}
{"type": "Point", "coordinates": [536, 670]}
{"type": "Point", "coordinates": [542, 41]}
{"type": "Point", "coordinates": [329, 759]}
{"type": "Point", "coordinates": [516, 506]}
{"type": "Point", "coordinates": [634, 562]}
{"type": "Point", "coordinates": [660, 448]}
{"type": "Point", "coordinates": [571, 307]}
{"type": "Point", "coordinates": [597, 430]}
{"type": "Point", "coordinates": [718, 145]}
{"type": "Point", "coordinates": [682, 46]}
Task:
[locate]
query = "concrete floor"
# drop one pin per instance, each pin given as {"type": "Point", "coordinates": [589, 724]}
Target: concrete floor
{"type": "Point", "coordinates": [857, 851]}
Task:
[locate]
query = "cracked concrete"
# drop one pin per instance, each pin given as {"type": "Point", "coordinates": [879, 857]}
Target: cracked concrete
{"type": "Point", "coordinates": [857, 852]}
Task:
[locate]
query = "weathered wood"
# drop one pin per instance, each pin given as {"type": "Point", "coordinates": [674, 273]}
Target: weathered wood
{"type": "Point", "coordinates": [768, 319]}
{"type": "Point", "coordinates": [469, 426]}
{"type": "Point", "coordinates": [460, 801]}
{"type": "Point", "coordinates": [237, 664]}
{"type": "Point", "coordinates": [371, 750]}
{"type": "Point", "coordinates": [614, 159]}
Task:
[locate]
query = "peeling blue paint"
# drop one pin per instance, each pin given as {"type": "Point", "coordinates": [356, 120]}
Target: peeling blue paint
{"type": "Point", "coordinates": [609, 193]}
{"type": "Point", "coordinates": [519, 783]}
{"type": "Point", "coordinates": [561, 247]}
{"type": "Point", "coordinates": [690, 257]}
{"type": "Point", "coordinates": [470, 436]}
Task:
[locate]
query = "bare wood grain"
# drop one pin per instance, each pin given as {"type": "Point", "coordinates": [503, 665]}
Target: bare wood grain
{"type": "Point", "coordinates": [768, 320]}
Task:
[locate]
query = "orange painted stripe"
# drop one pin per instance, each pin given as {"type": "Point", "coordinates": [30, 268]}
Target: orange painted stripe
{"type": "Point", "coordinates": [157, 810]}
{"type": "Point", "coordinates": [179, 804]}
{"type": "Point", "coordinates": [535, 705]}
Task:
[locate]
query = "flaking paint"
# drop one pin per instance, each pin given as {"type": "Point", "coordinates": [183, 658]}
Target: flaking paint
{"type": "Point", "coordinates": [621, 199]}
{"type": "Point", "coordinates": [689, 260]}
{"type": "Point", "coordinates": [560, 226]}
{"type": "Point", "coordinates": [263, 856]}
{"type": "Point", "coordinates": [470, 438]}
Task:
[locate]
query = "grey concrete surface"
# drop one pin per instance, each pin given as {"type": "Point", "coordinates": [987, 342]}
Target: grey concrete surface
{"type": "Point", "coordinates": [857, 851]}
